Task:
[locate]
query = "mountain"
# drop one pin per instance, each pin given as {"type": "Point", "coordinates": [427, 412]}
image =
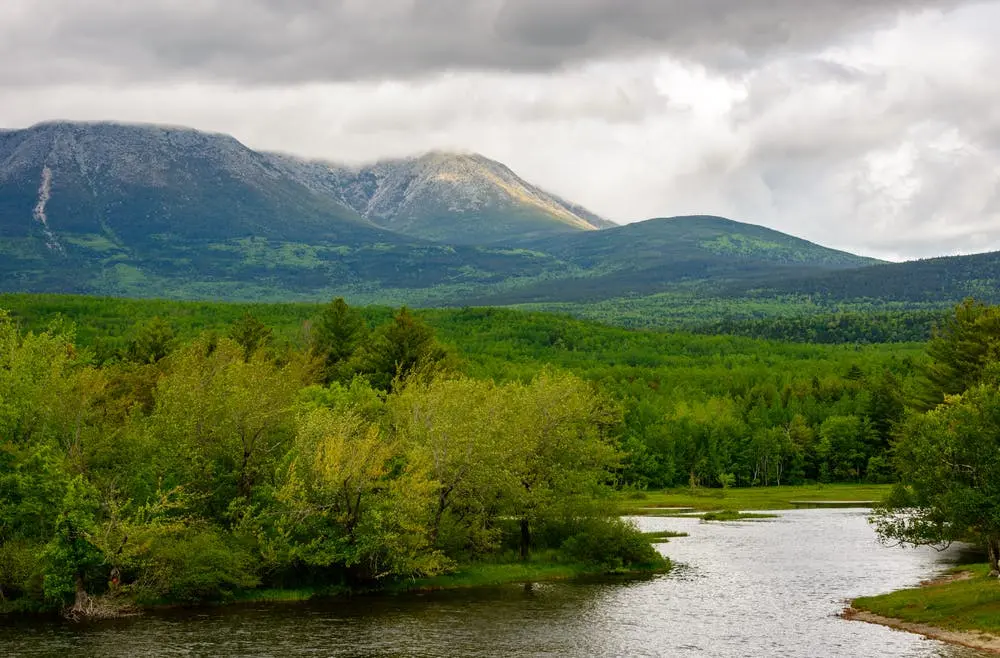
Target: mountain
{"type": "Point", "coordinates": [152, 210]}
{"type": "Point", "coordinates": [446, 197]}
{"type": "Point", "coordinates": [138, 210]}
{"type": "Point", "coordinates": [658, 254]}
{"type": "Point", "coordinates": [82, 203]}
{"type": "Point", "coordinates": [125, 183]}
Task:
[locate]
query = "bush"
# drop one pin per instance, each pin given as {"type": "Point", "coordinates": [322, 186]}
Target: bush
{"type": "Point", "coordinates": [613, 544]}
{"type": "Point", "coordinates": [194, 564]}
{"type": "Point", "coordinates": [19, 570]}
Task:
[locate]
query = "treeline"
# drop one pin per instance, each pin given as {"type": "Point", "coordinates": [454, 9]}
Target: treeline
{"type": "Point", "coordinates": [903, 326]}
{"type": "Point", "coordinates": [185, 470]}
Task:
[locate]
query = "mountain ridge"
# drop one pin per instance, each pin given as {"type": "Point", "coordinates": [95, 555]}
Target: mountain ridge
{"type": "Point", "coordinates": [453, 197]}
{"type": "Point", "coordinates": [138, 210]}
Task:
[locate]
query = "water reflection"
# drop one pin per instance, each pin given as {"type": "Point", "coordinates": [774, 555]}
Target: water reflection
{"type": "Point", "coordinates": [743, 589]}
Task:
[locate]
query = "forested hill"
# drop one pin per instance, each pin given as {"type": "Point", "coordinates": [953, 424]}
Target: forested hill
{"type": "Point", "coordinates": [676, 252]}
{"type": "Point", "coordinates": [932, 280]}
{"type": "Point", "coordinates": [152, 211]}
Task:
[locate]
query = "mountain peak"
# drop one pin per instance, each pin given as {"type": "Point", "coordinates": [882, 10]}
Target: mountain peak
{"type": "Point", "coordinates": [447, 196]}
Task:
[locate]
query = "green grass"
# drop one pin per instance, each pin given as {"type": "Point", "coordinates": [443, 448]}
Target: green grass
{"type": "Point", "coordinates": [656, 535]}
{"type": "Point", "coordinates": [735, 515]}
{"type": "Point", "coordinates": [748, 498]}
{"type": "Point", "coordinates": [961, 605]}
{"type": "Point", "coordinates": [492, 574]}
{"type": "Point", "coordinates": [281, 595]}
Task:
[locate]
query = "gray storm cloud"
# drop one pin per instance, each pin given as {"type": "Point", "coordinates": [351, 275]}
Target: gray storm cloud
{"type": "Point", "coordinates": [867, 125]}
{"type": "Point", "coordinates": [284, 42]}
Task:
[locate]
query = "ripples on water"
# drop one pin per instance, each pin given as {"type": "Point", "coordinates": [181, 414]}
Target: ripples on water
{"type": "Point", "coordinates": [762, 588]}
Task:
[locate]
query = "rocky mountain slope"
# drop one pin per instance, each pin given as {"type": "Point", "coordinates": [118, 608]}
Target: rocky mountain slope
{"type": "Point", "coordinates": [454, 198]}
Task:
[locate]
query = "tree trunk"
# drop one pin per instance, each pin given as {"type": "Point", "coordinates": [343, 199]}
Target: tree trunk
{"type": "Point", "coordinates": [81, 599]}
{"type": "Point", "coordinates": [525, 539]}
{"type": "Point", "coordinates": [993, 550]}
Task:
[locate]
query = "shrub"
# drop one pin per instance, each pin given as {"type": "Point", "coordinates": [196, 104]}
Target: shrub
{"type": "Point", "coordinates": [192, 564]}
{"type": "Point", "coordinates": [613, 544]}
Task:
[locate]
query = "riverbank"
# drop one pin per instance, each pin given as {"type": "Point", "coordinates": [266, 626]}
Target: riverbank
{"type": "Point", "coordinates": [478, 575]}
{"type": "Point", "coordinates": [466, 577]}
{"type": "Point", "coordinates": [638, 503]}
{"type": "Point", "coordinates": [962, 608]}
{"type": "Point", "coordinates": [469, 577]}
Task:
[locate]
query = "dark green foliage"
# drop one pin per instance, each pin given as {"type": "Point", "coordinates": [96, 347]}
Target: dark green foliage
{"type": "Point", "coordinates": [200, 563]}
{"type": "Point", "coordinates": [695, 407]}
{"type": "Point", "coordinates": [251, 334]}
{"type": "Point", "coordinates": [853, 327]}
{"type": "Point", "coordinates": [150, 341]}
{"type": "Point", "coordinates": [336, 335]}
{"type": "Point", "coordinates": [945, 280]}
{"type": "Point", "coordinates": [399, 349]}
{"type": "Point", "coordinates": [947, 449]}
{"type": "Point", "coordinates": [614, 545]}
{"type": "Point", "coordinates": [211, 467]}
{"type": "Point", "coordinates": [960, 352]}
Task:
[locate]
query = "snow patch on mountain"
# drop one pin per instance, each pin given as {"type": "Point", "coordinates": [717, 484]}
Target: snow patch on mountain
{"type": "Point", "coordinates": [44, 194]}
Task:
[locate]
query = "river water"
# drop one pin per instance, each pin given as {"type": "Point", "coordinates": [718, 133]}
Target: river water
{"type": "Point", "coordinates": [754, 588]}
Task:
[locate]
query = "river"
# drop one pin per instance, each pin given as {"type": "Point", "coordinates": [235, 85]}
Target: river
{"type": "Point", "coordinates": [753, 588]}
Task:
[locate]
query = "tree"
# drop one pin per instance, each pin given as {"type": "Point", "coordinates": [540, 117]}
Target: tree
{"type": "Point", "coordinates": [71, 554]}
{"type": "Point", "coordinates": [151, 341]}
{"type": "Point", "coordinates": [251, 334]}
{"type": "Point", "coordinates": [842, 447]}
{"type": "Point", "coordinates": [562, 451]}
{"type": "Point", "coordinates": [220, 422]}
{"type": "Point", "coordinates": [336, 335]}
{"type": "Point", "coordinates": [959, 353]}
{"type": "Point", "coordinates": [461, 426]}
{"type": "Point", "coordinates": [352, 502]}
{"type": "Point", "coordinates": [949, 464]}
{"type": "Point", "coordinates": [37, 377]}
{"type": "Point", "coordinates": [399, 349]}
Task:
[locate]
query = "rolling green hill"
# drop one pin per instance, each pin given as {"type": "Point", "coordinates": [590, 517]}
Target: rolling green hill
{"type": "Point", "coordinates": [661, 254]}
{"type": "Point", "coordinates": [931, 280]}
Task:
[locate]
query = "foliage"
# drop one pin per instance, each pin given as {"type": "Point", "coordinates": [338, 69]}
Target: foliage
{"type": "Point", "coordinates": [437, 439]}
{"type": "Point", "coordinates": [750, 498]}
{"type": "Point", "coordinates": [336, 335]}
{"type": "Point", "coordinates": [206, 466]}
{"type": "Point", "coordinates": [735, 515]}
{"type": "Point", "coordinates": [948, 456]}
{"type": "Point", "coordinates": [614, 545]}
{"type": "Point", "coordinates": [960, 351]}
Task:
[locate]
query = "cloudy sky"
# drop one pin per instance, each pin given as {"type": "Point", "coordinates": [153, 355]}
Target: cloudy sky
{"type": "Point", "coordinates": [868, 125]}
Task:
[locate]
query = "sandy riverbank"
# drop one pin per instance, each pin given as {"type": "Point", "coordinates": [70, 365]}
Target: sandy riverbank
{"type": "Point", "coordinates": [972, 639]}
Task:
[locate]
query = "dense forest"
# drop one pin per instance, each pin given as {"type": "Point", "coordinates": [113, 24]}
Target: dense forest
{"type": "Point", "coordinates": [163, 451]}
{"type": "Point", "coordinates": [694, 408]}
{"type": "Point", "coordinates": [196, 469]}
